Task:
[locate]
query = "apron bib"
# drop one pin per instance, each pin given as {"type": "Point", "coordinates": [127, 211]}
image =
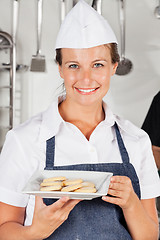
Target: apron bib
{"type": "Point", "coordinates": [94, 219]}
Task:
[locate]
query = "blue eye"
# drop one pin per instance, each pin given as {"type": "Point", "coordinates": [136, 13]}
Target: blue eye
{"type": "Point", "coordinates": [73, 66]}
{"type": "Point", "coordinates": [96, 65]}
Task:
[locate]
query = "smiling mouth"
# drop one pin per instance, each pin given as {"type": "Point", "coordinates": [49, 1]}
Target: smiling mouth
{"type": "Point", "coordinates": [86, 91]}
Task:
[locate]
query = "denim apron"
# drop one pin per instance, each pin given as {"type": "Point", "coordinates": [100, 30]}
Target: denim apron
{"type": "Point", "coordinates": [94, 219]}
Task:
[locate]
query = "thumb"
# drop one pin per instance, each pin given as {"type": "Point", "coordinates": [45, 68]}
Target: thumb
{"type": "Point", "coordinates": [39, 203]}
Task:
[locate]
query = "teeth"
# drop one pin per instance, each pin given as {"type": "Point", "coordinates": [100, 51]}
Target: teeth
{"type": "Point", "coordinates": [86, 90]}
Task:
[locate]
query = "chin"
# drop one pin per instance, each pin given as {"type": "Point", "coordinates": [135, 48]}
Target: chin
{"type": "Point", "coordinates": [88, 102]}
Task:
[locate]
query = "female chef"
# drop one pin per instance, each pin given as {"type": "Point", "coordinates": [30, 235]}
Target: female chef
{"type": "Point", "coordinates": [80, 132]}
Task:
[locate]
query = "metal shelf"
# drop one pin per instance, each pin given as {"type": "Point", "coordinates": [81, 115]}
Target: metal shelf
{"type": "Point", "coordinates": [5, 67]}
{"type": "Point", "coordinates": [5, 47]}
{"type": "Point", "coordinates": [5, 87]}
{"type": "Point", "coordinates": [5, 107]}
{"type": "Point", "coordinates": [5, 127]}
{"type": "Point", "coordinates": [6, 42]}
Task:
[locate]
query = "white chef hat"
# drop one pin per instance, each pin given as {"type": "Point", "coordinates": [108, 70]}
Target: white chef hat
{"type": "Point", "coordinates": [84, 27]}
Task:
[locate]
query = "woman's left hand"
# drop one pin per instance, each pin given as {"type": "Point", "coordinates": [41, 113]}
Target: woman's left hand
{"type": "Point", "coordinates": [122, 191]}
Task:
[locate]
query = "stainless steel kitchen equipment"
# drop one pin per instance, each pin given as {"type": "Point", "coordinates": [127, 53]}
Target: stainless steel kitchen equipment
{"type": "Point", "coordinates": [97, 5]}
{"type": "Point", "coordinates": [14, 58]}
{"type": "Point", "coordinates": [157, 11]}
{"type": "Point", "coordinates": [38, 63]}
{"type": "Point", "coordinates": [125, 65]}
{"type": "Point", "coordinates": [7, 45]}
{"type": "Point", "coordinates": [75, 2]}
{"type": "Point", "coordinates": [63, 10]}
{"type": "Point", "coordinates": [19, 67]}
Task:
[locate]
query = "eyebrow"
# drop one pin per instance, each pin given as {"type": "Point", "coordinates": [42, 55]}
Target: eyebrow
{"type": "Point", "coordinates": [71, 62]}
{"type": "Point", "coordinates": [97, 60]}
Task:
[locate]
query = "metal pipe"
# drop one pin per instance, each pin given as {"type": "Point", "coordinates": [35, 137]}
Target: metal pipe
{"type": "Point", "coordinates": [63, 10]}
{"type": "Point", "coordinates": [13, 63]}
{"type": "Point", "coordinates": [122, 26]}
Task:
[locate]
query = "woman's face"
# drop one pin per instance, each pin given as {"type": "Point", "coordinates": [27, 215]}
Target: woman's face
{"type": "Point", "coordinates": [86, 74]}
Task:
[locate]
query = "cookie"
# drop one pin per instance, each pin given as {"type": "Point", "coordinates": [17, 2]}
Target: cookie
{"type": "Point", "coordinates": [49, 183]}
{"type": "Point", "coordinates": [52, 179]}
{"type": "Point", "coordinates": [72, 181]}
{"type": "Point", "coordinates": [86, 190]}
{"type": "Point", "coordinates": [71, 188]}
{"type": "Point", "coordinates": [88, 184]}
{"type": "Point", "coordinates": [51, 188]}
{"type": "Point", "coordinates": [61, 183]}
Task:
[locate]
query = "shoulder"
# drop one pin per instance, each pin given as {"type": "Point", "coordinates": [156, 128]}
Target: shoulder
{"type": "Point", "coordinates": [41, 124]}
{"type": "Point", "coordinates": [30, 129]}
{"type": "Point", "coordinates": [129, 129]}
{"type": "Point", "coordinates": [133, 136]}
{"type": "Point", "coordinates": [126, 127]}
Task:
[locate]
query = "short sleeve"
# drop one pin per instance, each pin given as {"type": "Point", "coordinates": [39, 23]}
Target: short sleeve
{"type": "Point", "coordinates": [13, 172]}
{"type": "Point", "coordinates": [148, 173]}
{"type": "Point", "coordinates": [151, 123]}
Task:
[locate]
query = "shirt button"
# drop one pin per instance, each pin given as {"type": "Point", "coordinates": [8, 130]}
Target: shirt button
{"type": "Point", "coordinates": [92, 149]}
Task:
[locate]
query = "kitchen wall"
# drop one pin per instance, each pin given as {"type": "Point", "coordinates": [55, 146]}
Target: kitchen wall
{"type": "Point", "coordinates": [129, 96]}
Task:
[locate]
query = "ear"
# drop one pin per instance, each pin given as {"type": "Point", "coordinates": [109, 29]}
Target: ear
{"type": "Point", "coordinates": [60, 71]}
{"type": "Point", "coordinates": [115, 65]}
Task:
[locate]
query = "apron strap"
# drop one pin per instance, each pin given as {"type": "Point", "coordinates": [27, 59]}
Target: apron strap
{"type": "Point", "coordinates": [122, 148]}
{"type": "Point", "coordinates": [50, 150]}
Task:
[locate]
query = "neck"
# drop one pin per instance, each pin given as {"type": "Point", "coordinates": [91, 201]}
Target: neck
{"type": "Point", "coordinates": [71, 112]}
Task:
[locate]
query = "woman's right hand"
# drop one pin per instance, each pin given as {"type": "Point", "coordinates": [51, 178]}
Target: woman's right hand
{"type": "Point", "coordinates": [47, 219]}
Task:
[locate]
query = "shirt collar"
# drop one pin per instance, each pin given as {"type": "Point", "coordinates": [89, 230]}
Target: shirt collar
{"type": "Point", "coordinates": [51, 121]}
{"type": "Point", "coordinates": [109, 116]}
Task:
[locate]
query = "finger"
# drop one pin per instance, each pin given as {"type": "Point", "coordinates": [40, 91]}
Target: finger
{"type": "Point", "coordinates": [115, 193]}
{"type": "Point", "coordinates": [58, 204]}
{"type": "Point", "coordinates": [120, 179]}
{"type": "Point", "coordinates": [70, 205]}
{"type": "Point", "coordinates": [117, 186]}
{"type": "Point", "coordinates": [112, 200]}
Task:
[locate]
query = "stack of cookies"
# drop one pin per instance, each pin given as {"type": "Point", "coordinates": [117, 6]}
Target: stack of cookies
{"type": "Point", "coordinates": [63, 184]}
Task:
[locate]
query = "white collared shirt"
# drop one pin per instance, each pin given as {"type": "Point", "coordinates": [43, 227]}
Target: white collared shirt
{"type": "Point", "coordinates": [24, 152]}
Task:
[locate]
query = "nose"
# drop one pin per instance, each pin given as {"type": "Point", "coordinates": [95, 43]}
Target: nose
{"type": "Point", "coordinates": [86, 76]}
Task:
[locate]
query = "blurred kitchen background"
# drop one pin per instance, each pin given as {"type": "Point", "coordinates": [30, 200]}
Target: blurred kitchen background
{"type": "Point", "coordinates": [129, 96]}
